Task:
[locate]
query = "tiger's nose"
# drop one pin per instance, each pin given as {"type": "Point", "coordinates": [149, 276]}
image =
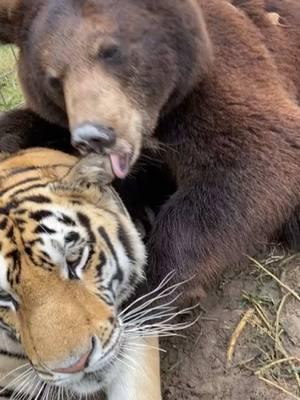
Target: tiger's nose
{"type": "Point", "coordinates": [92, 138]}
{"type": "Point", "coordinates": [79, 365]}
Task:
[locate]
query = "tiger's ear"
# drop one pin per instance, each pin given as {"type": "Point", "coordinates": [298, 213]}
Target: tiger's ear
{"type": "Point", "coordinates": [93, 169]}
{"type": "Point", "coordinates": [11, 16]}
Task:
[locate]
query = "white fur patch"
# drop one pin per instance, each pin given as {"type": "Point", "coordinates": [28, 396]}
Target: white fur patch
{"type": "Point", "coordinates": [3, 274]}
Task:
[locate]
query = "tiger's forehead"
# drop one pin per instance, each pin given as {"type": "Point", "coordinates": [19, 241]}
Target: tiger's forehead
{"type": "Point", "coordinates": [38, 221]}
{"type": "Point", "coordinates": [34, 220]}
{"type": "Point", "coordinates": [47, 222]}
{"type": "Point", "coordinates": [44, 237]}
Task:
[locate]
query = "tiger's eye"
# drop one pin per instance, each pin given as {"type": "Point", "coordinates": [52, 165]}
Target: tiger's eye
{"type": "Point", "coordinates": [72, 237]}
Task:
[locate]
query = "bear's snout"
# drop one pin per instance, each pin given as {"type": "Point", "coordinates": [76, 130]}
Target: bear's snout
{"type": "Point", "coordinates": [89, 137]}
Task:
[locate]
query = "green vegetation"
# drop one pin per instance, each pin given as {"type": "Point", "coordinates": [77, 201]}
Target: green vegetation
{"type": "Point", "coordinates": [10, 94]}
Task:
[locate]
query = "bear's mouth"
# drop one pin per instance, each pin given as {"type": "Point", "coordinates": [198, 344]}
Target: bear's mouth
{"type": "Point", "coordinates": [120, 164]}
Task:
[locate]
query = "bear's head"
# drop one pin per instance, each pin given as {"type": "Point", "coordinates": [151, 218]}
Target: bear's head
{"type": "Point", "coordinates": [107, 69]}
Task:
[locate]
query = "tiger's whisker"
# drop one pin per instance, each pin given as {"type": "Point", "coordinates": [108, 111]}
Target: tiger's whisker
{"type": "Point", "coordinates": [134, 363]}
{"type": "Point", "coordinates": [163, 283]}
{"type": "Point", "coordinates": [123, 362]}
{"type": "Point", "coordinates": [15, 380]}
{"type": "Point", "coordinates": [167, 305]}
{"type": "Point", "coordinates": [167, 317]}
{"type": "Point", "coordinates": [167, 292]}
{"type": "Point", "coordinates": [27, 383]}
{"type": "Point", "coordinates": [147, 346]}
{"type": "Point", "coordinates": [14, 370]}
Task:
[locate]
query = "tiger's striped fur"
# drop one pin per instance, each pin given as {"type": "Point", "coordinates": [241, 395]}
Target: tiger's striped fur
{"type": "Point", "coordinates": [69, 258]}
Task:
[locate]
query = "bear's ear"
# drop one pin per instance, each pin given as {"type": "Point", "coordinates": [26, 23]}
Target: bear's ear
{"type": "Point", "coordinates": [10, 19]}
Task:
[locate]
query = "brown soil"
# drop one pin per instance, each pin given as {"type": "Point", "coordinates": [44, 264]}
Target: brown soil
{"type": "Point", "coordinates": [196, 367]}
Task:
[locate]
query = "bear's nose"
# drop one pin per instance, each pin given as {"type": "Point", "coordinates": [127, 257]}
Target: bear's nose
{"type": "Point", "coordinates": [92, 138]}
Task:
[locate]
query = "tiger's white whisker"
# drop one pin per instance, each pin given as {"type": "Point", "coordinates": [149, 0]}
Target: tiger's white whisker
{"type": "Point", "coordinates": [123, 362]}
{"type": "Point", "coordinates": [35, 388]}
{"type": "Point", "coordinates": [148, 346]}
{"type": "Point", "coordinates": [14, 370]}
{"type": "Point", "coordinates": [23, 385]}
{"type": "Point", "coordinates": [167, 292]}
{"type": "Point", "coordinates": [15, 380]}
{"type": "Point", "coordinates": [167, 305]}
{"type": "Point", "coordinates": [168, 316]}
{"type": "Point", "coordinates": [40, 391]}
{"type": "Point", "coordinates": [160, 316]}
{"type": "Point", "coordinates": [164, 282]}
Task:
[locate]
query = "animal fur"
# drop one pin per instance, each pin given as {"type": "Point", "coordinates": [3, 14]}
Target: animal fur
{"type": "Point", "coordinates": [216, 83]}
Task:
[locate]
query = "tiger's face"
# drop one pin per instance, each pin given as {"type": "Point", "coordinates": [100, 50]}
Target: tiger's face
{"type": "Point", "coordinates": [69, 258]}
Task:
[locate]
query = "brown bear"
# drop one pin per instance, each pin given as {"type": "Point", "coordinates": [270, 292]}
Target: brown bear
{"type": "Point", "coordinates": [213, 85]}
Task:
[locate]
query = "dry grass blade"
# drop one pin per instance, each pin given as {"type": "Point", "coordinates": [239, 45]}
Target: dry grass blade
{"type": "Point", "coordinates": [259, 265]}
{"type": "Point", "coordinates": [278, 315]}
{"type": "Point", "coordinates": [277, 386]}
{"type": "Point", "coordinates": [237, 333]}
{"type": "Point", "coordinates": [275, 365]}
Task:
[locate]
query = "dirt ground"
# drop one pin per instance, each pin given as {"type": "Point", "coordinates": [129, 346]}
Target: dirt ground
{"type": "Point", "coordinates": [267, 346]}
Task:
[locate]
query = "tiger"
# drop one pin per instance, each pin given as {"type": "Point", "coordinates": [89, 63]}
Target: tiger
{"type": "Point", "coordinates": [70, 258]}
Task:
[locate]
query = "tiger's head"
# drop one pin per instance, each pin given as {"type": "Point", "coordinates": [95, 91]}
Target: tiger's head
{"type": "Point", "coordinates": [69, 257]}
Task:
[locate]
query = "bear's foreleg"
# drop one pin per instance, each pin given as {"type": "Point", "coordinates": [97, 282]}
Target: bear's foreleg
{"type": "Point", "coordinates": [22, 128]}
{"type": "Point", "coordinates": [215, 220]}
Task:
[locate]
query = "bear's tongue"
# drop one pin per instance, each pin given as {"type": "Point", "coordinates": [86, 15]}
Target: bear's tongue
{"type": "Point", "coordinates": [120, 164]}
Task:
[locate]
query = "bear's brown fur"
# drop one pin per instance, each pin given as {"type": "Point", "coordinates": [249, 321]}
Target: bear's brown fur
{"type": "Point", "coordinates": [216, 83]}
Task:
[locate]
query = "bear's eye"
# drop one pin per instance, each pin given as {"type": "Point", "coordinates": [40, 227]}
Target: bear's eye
{"type": "Point", "coordinates": [110, 53]}
{"type": "Point", "coordinates": [54, 83]}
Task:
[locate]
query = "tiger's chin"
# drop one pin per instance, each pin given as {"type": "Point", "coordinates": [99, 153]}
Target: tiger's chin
{"type": "Point", "coordinates": [92, 382]}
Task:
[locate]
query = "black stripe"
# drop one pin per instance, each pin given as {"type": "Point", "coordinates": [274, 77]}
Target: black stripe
{"type": "Point", "coordinates": [41, 214]}
{"type": "Point", "coordinates": [10, 332]}
{"type": "Point", "coordinates": [66, 220]}
{"type": "Point", "coordinates": [9, 354]}
{"type": "Point", "coordinates": [33, 242]}
{"type": "Point", "coordinates": [102, 262]}
{"type": "Point", "coordinates": [5, 210]}
{"type": "Point", "coordinates": [85, 221]}
{"type": "Point", "coordinates": [35, 199]}
{"type": "Point", "coordinates": [16, 171]}
{"type": "Point", "coordinates": [10, 232]}
{"type": "Point", "coordinates": [14, 254]}
{"type": "Point", "coordinates": [40, 199]}
{"type": "Point", "coordinates": [124, 239]}
{"type": "Point", "coordinates": [6, 393]}
{"type": "Point", "coordinates": [20, 221]}
{"type": "Point", "coordinates": [3, 223]}
{"type": "Point", "coordinates": [21, 211]}
{"type": "Point", "coordinates": [44, 229]}
{"type": "Point", "coordinates": [5, 297]}
{"type": "Point", "coordinates": [28, 250]}
{"type": "Point", "coordinates": [28, 188]}
{"type": "Point", "coordinates": [15, 185]}
{"type": "Point", "coordinates": [119, 274]}
{"type": "Point", "coordinates": [72, 275]}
